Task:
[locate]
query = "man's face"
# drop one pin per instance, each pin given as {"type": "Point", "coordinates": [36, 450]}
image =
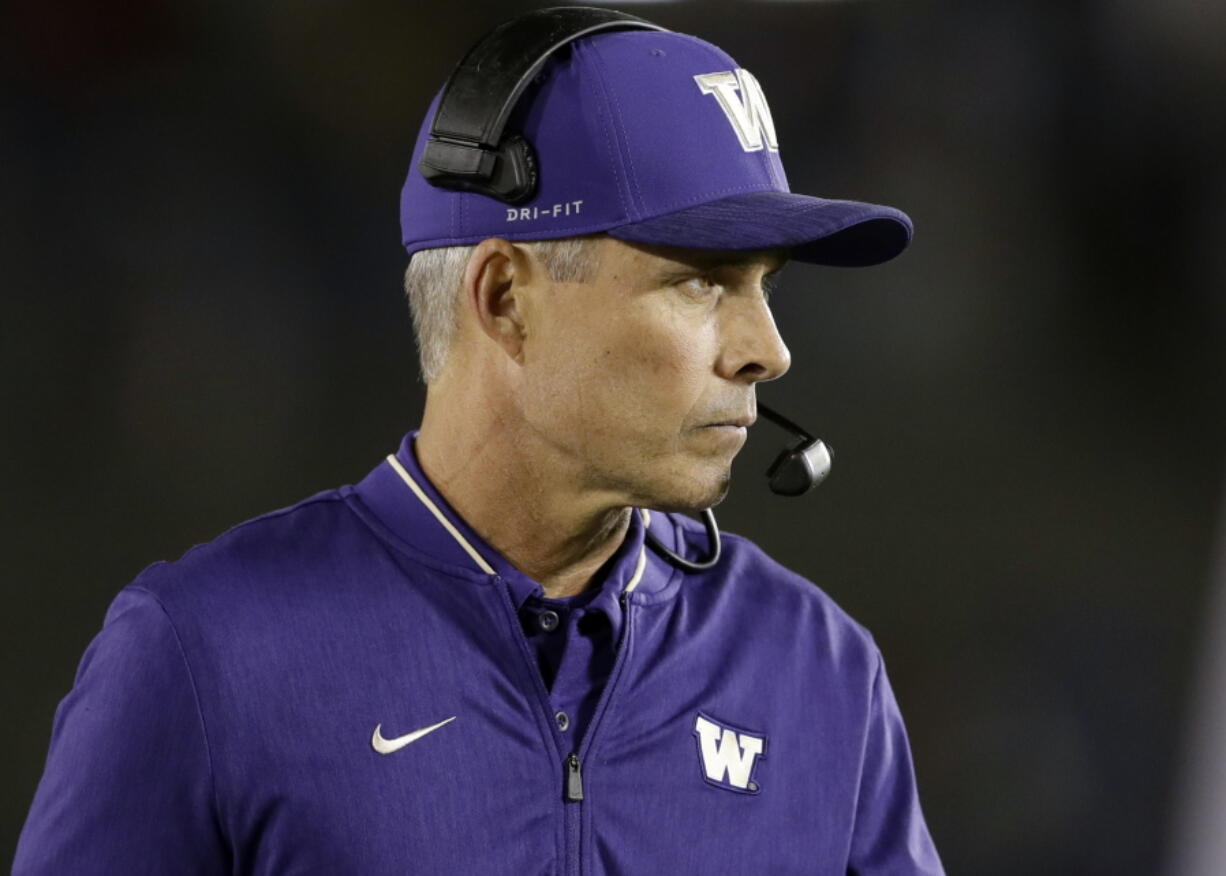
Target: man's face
{"type": "Point", "coordinates": [643, 377]}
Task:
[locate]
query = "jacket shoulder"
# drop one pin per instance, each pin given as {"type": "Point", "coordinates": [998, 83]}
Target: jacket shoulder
{"type": "Point", "coordinates": [760, 590]}
{"type": "Point", "coordinates": [267, 552]}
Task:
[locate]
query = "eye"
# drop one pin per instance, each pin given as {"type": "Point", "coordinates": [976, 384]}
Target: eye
{"type": "Point", "coordinates": [700, 286]}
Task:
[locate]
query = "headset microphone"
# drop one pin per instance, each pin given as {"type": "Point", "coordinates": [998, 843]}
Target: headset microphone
{"type": "Point", "coordinates": [795, 471]}
{"type": "Point", "coordinates": [802, 466]}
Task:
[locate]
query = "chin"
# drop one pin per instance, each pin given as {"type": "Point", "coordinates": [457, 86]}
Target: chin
{"type": "Point", "coordinates": [694, 496]}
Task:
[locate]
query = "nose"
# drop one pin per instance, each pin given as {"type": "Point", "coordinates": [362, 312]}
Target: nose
{"type": "Point", "coordinates": [752, 350]}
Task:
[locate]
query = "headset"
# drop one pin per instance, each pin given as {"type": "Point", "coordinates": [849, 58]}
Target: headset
{"type": "Point", "coordinates": [796, 470]}
{"type": "Point", "coordinates": [469, 150]}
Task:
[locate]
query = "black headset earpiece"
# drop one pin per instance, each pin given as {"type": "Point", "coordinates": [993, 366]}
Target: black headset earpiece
{"type": "Point", "coordinates": [801, 467]}
{"type": "Point", "coordinates": [467, 150]}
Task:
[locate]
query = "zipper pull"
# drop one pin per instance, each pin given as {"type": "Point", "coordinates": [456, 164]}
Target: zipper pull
{"type": "Point", "coordinates": [574, 778]}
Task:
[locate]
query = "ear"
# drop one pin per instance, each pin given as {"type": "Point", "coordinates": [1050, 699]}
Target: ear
{"type": "Point", "coordinates": [495, 280]}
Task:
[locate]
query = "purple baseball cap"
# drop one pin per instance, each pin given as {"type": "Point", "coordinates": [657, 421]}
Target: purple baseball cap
{"type": "Point", "coordinates": [653, 137]}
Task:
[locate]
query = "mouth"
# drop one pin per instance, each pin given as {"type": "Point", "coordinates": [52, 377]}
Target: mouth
{"type": "Point", "coordinates": [733, 423]}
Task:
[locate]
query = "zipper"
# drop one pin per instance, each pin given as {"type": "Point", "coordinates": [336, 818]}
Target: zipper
{"type": "Point", "coordinates": [574, 779]}
{"type": "Point", "coordinates": [572, 765]}
{"type": "Point", "coordinates": [572, 811]}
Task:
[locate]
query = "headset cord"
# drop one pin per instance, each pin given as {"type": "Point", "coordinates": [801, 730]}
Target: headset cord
{"type": "Point", "coordinates": [708, 520]}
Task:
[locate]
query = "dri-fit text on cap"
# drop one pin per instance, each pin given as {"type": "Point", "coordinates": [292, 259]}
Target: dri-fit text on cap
{"type": "Point", "coordinates": [518, 214]}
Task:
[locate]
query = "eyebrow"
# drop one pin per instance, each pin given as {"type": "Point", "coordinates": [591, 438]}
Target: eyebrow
{"type": "Point", "coordinates": [723, 259]}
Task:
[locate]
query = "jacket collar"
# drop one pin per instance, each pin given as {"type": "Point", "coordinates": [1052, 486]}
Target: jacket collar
{"type": "Point", "coordinates": [401, 496]}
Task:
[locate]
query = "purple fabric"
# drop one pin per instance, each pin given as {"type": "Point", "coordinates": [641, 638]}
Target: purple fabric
{"type": "Point", "coordinates": [628, 142]}
{"type": "Point", "coordinates": [222, 720]}
{"type": "Point", "coordinates": [841, 233]}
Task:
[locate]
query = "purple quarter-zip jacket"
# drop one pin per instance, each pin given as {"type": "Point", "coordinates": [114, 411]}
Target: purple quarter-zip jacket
{"type": "Point", "coordinates": [359, 684]}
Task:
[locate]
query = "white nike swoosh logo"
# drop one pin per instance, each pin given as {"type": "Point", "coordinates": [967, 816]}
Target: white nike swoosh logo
{"type": "Point", "coordinates": [388, 746]}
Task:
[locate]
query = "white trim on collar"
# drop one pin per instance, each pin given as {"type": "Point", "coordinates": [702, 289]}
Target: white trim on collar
{"type": "Point", "coordinates": [642, 562]}
{"type": "Point", "coordinates": [485, 567]}
{"type": "Point", "coordinates": [425, 500]}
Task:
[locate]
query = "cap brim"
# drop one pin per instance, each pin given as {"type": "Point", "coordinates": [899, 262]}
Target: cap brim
{"type": "Point", "coordinates": [815, 230]}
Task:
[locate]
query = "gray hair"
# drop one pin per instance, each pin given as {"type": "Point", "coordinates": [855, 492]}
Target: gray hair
{"type": "Point", "coordinates": [432, 285]}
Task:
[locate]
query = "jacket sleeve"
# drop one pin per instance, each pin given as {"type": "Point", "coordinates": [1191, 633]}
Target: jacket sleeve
{"type": "Point", "coordinates": [128, 785]}
{"type": "Point", "coordinates": [890, 837]}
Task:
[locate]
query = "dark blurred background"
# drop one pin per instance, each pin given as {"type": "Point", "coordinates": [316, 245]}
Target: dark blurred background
{"type": "Point", "coordinates": [201, 320]}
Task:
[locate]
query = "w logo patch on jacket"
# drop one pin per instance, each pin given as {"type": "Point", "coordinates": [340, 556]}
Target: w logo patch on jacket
{"type": "Point", "coordinates": [729, 754]}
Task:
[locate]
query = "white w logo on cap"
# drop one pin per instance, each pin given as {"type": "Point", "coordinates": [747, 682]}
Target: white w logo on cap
{"type": "Point", "coordinates": [748, 113]}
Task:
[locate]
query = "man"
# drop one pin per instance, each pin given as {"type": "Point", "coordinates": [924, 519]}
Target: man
{"type": "Point", "coordinates": [490, 656]}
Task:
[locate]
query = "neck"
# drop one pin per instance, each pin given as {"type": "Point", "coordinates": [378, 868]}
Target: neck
{"type": "Point", "coordinates": [557, 533]}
